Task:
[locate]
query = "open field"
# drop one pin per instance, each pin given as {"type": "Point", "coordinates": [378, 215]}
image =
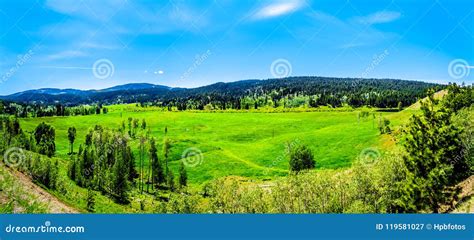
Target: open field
{"type": "Point", "coordinates": [248, 148]}
{"type": "Point", "coordinates": [243, 144]}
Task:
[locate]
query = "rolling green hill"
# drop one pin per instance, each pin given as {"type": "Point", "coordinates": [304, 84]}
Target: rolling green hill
{"type": "Point", "coordinates": [244, 146]}
{"type": "Point", "coordinates": [242, 94]}
{"type": "Point", "coordinates": [249, 144]}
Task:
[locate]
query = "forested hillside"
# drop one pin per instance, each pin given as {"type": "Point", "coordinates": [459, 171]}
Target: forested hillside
{"type": "Point", "coordinates": [285, 92]}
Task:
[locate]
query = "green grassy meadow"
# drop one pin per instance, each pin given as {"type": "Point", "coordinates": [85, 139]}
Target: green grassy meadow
{"type": "Point", "coordinates": [247, 144]}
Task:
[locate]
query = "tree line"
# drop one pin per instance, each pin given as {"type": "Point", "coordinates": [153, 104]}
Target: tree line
{"type": "Point", "coordinates": [296, 92]}
{"type": "Point", "coordinates": [23, 110]}
{"type": "Point", "coordinates": [293, 92]}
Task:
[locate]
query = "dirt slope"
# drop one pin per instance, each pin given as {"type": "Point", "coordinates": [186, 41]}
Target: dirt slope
{"type": "Point", "coordinates": [466, 199]}
{"type": "Point", "coordinates": [54, 204]}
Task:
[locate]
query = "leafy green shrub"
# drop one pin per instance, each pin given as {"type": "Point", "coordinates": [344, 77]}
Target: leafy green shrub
{"type": "Point", "coordinates": [45, 136]}
{"type": "Point", "coordinates": [300, 157]}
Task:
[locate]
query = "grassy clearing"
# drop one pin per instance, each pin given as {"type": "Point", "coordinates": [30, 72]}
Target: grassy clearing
{"type": "Point", "coordinates": [248, 145]}
{"type": "Point", "coordinates": [242, 144]}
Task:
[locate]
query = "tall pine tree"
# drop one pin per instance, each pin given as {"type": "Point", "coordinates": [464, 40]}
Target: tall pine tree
{"type": "Point", "coordinates": [183, 176]}
{"type": "Point", "coordinates": [431, 142]}
{"type": "Point", "coordinates": [158, 176]}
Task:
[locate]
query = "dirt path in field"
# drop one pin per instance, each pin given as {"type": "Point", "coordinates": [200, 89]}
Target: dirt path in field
{"type": "Point", "coordinates": [54, 204]}
{"type": "Point", "coordinates": [249, 163]}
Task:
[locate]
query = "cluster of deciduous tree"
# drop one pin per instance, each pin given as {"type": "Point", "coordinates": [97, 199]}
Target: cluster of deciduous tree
{"type": "Point", "coordinates": [24, 110]}
{"type": "Point", "coordinates": [44, 136]}
{"type": "Point", "coordinates": [158, 175]}
{"type": "Point", "coordinates": [12, 134]}
{"type": "Point", "coordinates": [105, 163]}
{"type": "Point", "coordinates": [42, 169]}
{"type": "Point", "coordinates": [42, 140]}
{"type": "Point", "coordinates": [21, 148]}
{"type": "Point", "coordinates": [133, 126]}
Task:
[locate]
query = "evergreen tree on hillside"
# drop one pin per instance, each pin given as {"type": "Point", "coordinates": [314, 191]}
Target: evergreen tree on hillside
{"type": "Point", "coordinates": [431, 143]}
{"type": "Point", "coordinates": [105, 163]}
{"type": "Point", "coordinates": [120, 181]}
{"type": "Point", "coordinates": [72, 169]}
{"type": "Point", "coordinates": [71, 135]}
{"type": "Point", "coordinates": [130, 161]}
{"type": "Point", "coordinates": [158, 176]}
{"type": "Point", "coordinates": [135, 127]}
{"type": "Point", "coordinates": [384, 126]}
{"type": "Point", "coordinates": [130, 126]}
{"type": "Point", "coordinates": [183, 176]}
{"type": "Point", "coordinates": [142, 162]}
{"type": "Point", "coordinates": [54, 175]}
{"type": "Point", "coordinates": [90, 200]}
{"type": "Point", "coordinates": [166, 151]}
{"type": "Point", "coordinates": [122, 127]}
{"type": "Point", "coordinates": [170, 180]}
{"type": "Point", "coordinates": [87, 164]}
{"type": "Point", "coordinates": [458, 97]}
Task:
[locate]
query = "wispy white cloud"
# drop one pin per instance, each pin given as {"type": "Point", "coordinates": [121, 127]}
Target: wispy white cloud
{"type": "Point", "coordinates": [133, 17]}
{"type": "Point", "coordinates": [66, 54]}
{"type": "Point", "coordinates": [94, 26]}
{"type": "Point", "coordinates": [278, 8]}
{"type": "Point", "coordinates": [379, 17]}
{"type": "Point", "coordinates": [327, 19]}
{"type": "Point", "coordinates": [352, 45]}
{"type": "Point", "coordinates": [89, 9]}
{"type": "Point", "coordinates": [95, 46]}
{"type": "Point", "coordinates": [344, 34]}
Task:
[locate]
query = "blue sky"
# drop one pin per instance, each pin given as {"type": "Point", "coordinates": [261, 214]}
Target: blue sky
{"type": "Point", "coordinates": [92, 44]}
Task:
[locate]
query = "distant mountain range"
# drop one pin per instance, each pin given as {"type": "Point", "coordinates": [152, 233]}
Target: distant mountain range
{"type": "Point", "coordinates": [141, 92]}
{"type": "Point", "coordinates": [75, 96]}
